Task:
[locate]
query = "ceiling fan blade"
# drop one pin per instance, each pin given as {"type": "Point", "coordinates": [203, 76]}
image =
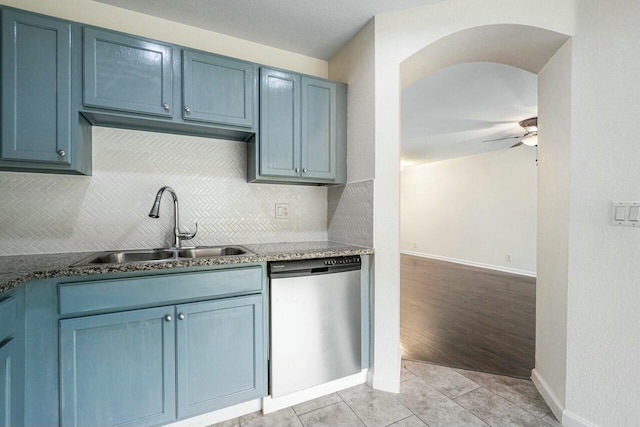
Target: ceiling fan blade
{"type": "Point", "coordinates": [500, 139]}
{"type": "Point", "coordinates": [518, 144]}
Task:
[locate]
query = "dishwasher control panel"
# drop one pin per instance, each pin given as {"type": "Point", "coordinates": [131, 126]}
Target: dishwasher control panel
{"type": "Point", "coordinates": [315, 266]}
{"type": "Point", "coordinates": [342, 260]}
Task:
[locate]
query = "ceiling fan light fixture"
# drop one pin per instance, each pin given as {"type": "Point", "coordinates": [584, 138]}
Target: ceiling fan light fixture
{"type": "Point", "coordinates": [530, 125]}
{"type": "Point", "coordinates": [530, 139]}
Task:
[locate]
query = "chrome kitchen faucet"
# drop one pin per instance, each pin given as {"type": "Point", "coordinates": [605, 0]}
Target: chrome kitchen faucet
{"type": "Point", "coordinates": [178, 236]}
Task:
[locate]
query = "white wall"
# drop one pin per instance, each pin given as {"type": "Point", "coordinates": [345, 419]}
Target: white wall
{"type": "Point", "coordinates": [474, 209]}
{"type": "Point", "coordinates": [354, 64]}
{"type": "Point", "coordinates": [603, 299]}
{"type": "Point", "coordinates": [603, 379]}
{"type": "Point", "coordinates": [554, 106]}
{"type": "Point", "coordinates": [114, 18]}
{"type": "Point", "coordinates": [398, 36]}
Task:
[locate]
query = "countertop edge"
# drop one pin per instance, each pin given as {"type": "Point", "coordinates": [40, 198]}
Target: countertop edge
{"type": "Point", "coordinates": [11, 280]}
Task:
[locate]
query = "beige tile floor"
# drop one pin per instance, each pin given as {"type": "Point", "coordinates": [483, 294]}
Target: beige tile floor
{"type": "Point", "coordinates": [430, 395]}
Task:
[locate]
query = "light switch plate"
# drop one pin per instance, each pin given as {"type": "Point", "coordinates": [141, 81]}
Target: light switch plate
{"type": "Point", "coordinates": [625, 214]}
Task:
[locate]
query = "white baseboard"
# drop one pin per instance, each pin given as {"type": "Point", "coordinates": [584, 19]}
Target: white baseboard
{"type": "Point", "coordinates": [568, 418]}
{"type": "Point", "coordinates": [270, 404]}
{"type": "Point", "coordinates": [220, 415]}
{"type": "Point", "coordinates": [472, 263]}
{"type": "Point", "coordinates": [556, 406]}
{"type": "Point", "coordinates": [572, 420]}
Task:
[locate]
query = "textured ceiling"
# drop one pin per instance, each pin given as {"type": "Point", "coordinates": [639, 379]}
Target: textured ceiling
{"type": "Point", "coordinates": [313, 28]}
{"type": "Point", "coordinates": [450, 112]}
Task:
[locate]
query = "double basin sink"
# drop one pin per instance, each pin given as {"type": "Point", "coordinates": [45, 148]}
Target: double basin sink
{"type": "Point", "coordinates": [165, 254]}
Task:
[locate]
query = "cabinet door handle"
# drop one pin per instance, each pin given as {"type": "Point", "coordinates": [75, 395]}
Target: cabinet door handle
{"type": "Point", "coordinates": [187, 108]}
{"type": "Point", "coordinates": [304, 170]}
{"type": "Point", "coordinates": [61, 153]}
{"type": "Point", "coordinates": [168, 318]}
{"type": "Point", "coordinates": [297, 170]}
{"type": "Point", "coordinates": [166, 106]}
{"type": "Point", "coordinates": [181, 316]}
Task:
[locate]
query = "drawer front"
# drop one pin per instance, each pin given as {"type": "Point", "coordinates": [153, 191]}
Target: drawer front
{"type": "Point", "coordinates": [120, 294]}
{"type": "Point", "coordinates": [7, 317]}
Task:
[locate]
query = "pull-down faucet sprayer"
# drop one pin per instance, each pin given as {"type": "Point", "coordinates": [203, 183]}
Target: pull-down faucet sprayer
{"type": "Point", "coordinates": [178, 236]}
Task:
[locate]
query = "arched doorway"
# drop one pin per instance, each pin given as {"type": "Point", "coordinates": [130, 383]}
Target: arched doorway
{"type": "Point", "coordinates": [403, 40]}
{"type": "Point", "coordinates": [468, 219]}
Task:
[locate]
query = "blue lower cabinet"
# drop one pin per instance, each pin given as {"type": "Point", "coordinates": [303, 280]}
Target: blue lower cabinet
{"type": "Point", "coordinates": [118, 369]}
{"type": "Point", "coordinates": [221, 354]}
{"type": "Point", "coordinates": [7, 399]}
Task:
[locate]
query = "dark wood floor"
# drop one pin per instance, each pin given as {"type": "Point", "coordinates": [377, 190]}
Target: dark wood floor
{"type": "Point", "coordinates": [467, 317]}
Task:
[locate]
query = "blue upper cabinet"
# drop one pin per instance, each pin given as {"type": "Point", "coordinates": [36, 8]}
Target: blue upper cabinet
{"type": "Point", "coordinates": [319, 129]}
{"type": "Point", "coordinates": [127, 73]}
{"type": "Point", "coordinates": [218, 89]}
{"type": "Point", "coordinates": [221, 354]}
{"type": "Point", "coordinates": [302, 136]}
{"type": "Point", "coordinates": [279, 123]}
{"type": "Point", "coordinates": [135, 83]}
{"type": "Point", "coordinates": [36, 91]}
{"type": "Point", "coordinates": [118, 369]}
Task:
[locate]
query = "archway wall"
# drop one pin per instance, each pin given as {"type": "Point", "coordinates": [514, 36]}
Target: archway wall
{"type": "Point", "coordinates": [554, 192]}
{"type": "Point", "coordinates": [602, 158]}
{"type": "Point", "coordinates": [601, 164]}
{"type": "Point", "coordinates": [398, 36]}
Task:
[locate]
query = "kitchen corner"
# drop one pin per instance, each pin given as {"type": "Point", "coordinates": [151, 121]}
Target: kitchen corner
{"type": "Point", "coordinates": [98, 328]}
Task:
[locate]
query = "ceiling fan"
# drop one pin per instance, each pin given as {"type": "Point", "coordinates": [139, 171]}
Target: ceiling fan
{"type": "Point", "coordinates": [530, 137]}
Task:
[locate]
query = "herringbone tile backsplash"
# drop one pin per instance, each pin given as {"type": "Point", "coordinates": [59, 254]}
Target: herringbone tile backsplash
{"type": "Point", "coordinates": [43, 213]}
{"type": "Point", "coordinates": [350, 213]}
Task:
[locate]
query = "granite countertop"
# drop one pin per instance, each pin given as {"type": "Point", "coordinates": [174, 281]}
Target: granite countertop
{"type": "Point", "coordinates": [17, 269]}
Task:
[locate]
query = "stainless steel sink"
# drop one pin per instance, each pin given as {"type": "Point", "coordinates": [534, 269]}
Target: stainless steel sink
{"type": "Point", "coordinates": [211, 251]}
{"type": "Point", "coordinates": [163, 255]}
{"type": "Point", "coordinates": [120, 257]}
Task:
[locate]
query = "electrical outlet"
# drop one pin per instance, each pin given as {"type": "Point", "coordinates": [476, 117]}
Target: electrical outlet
{"type": "Point", "coordinates": [282, 211]}
{"type": "Point", "coordinates": [508, 257]}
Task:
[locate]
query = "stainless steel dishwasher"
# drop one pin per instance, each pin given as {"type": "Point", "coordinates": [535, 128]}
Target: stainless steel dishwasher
{"type": "Point", "coordinates": [315, 322]}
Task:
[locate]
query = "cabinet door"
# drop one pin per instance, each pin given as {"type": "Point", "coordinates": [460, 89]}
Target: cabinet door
{"type": "Point", "coordinates": [36, 88]}
{"type": "Point", "coordinates": [118, 369]}
{"type": "Point", "coordinates": [318, 129]}
{"type": "Point", "coordinates": [127, 73]}
{"type": "Point", "coordinates": [279, 123]}
{"type": "Point", "coordinates": [7, 399]}
{"type": "Point", "coordinates": [217, 89]}
{"type": "Point", "coordinates": [221, 354]}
